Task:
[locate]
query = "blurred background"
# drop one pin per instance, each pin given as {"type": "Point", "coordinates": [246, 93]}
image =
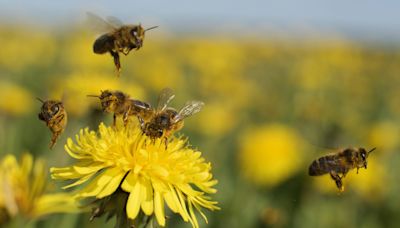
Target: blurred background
{"type": "Point", "coordinates": [284, 83]}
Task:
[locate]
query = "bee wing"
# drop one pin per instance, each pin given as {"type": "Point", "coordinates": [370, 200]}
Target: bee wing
{"type": "Point", "coordinates": [99, 24]}
{"type": "Point", "coordinates": [338, 162]}
{"type": "Point", "coordinates": [141, 104]}
{"type": "Point", "coordinates": [114, 21]}
{"type": "Point", "coordinates": [189, 109]}
{"type": "Point", "coordinates": [166, 95]}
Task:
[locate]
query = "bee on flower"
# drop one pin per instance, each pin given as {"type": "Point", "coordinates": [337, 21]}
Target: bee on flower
{"type": "Point", "coordinates": [119, 170]}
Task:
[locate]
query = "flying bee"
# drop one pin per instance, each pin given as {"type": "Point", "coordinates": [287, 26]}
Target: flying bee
{"type": "Point", "coordinates": [165, 120]}
{"type": "Point", "coordinates": [121, 104]}
{"type": "Point", "coordinates": [54, 114]}
{"type": "Point", "coordinates": [338, 164]}
{"type": "Point", "coordinates": [119, 38]}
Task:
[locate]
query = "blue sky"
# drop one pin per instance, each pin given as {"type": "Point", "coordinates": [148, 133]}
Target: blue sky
{"type": "Point", "coordinates": [365, 16]}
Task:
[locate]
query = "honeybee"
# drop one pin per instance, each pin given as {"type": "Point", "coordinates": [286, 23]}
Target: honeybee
{"type": "Point", "coordinates": [165, 120]}
{"type": "Point", "coordinates": [119, 38]}
{"type": "Point", "coordinates": [53, 113]}
{"type": "Point", "coordinates": [338, 164]}
{"type": "Point", "coordinates": [121, 104]}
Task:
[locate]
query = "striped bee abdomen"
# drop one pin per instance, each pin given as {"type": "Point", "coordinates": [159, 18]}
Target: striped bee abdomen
{"type": "Point", "coordinates": [103, 44]}
{"type": "Point", "coordinates": [320, 166]}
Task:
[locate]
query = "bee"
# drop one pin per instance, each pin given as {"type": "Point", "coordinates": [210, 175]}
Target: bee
{"type": "Point", "coordinates": [121, 104]}
{"type": "Point", "coordinates": [119, 38]}
{"type": "Point", "coordinates": [54, 114]}
{"type": "Point", "coordinates": [165, 120]}
{"type": "Point", "coordinates": [339, 164]}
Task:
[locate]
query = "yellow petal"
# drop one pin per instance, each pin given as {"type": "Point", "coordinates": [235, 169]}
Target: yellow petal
{"type": "Point", "coordinates": [88, 167]}
{"type": "Point", "coordinates": [80, 181]}
{"type": "Point", "coordinates": [176, 200]}
{"type": "Point", "coordinates": [64, 173]}
{"type": "Point", "coordinates": [159, 208]}
{"type": "Point", "coordinates": [193, 219]}
{"type": "Point", "coordinates": [182, 203]}
{"type": "Point", "coordinates": [71, 146]}
{"type": "Point", "coordinates": [134, 201]}
{"type": "Point", "coordinates": [9, 161]}
{"type": "Point", "coordinates": [112, 185]}
{"type": "Point", "coordinates": [172, 203]}
{"type": "Point", "coordinates": [201, 213]}
{"type": "Point", "coordinates": [26, 163]}
{"type": "Point", "coordinates": [188, 190]}
{"type": "Point", "coordinates": [55, 203]}
{"type": "Point", "coordinates": [147, 204]}
{"type": "Point", "coordinates": [98, 183]}
{"type": "Point", "coordinates": [129, 182]}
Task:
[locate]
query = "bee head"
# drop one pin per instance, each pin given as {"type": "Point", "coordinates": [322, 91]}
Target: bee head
{"type": "Point", "coordinates": [137, 33]}
{"type": "Point", "coordinates": [104, 94]}
{"type": "Point", "coordinates": [364, 155]}
{"type": "Point", "coordinates": [109, 104]}
{"type": "Point", "coordinates": [49, 109]}
{"type": "Point", "coordinates": [110, 100]}
{"type": "Point", "coordinates": [104, 98]}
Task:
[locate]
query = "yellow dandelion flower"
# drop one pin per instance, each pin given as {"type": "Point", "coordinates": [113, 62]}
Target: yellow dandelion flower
{"type": "Point", "coordinates": [271, 154]}
{"type": "Point", "coordinates": [225, 116]}
{"type": "Point", "coordinates": [15, 43]}
{"type": "Point", "coordinates": [385, 136]}
{"type": "Point", "coordinates": [78, 54]}
{"type": "Point", "coordinates": [23, 189]}
{"type": "Point", "coordinates": [18, 101]}
{"type": "Point", "coordinates": [371, 183]}
{"type": "Point", "coordinates": [119, 159]}
{"type": "Point", "coordinates": [144, 69]}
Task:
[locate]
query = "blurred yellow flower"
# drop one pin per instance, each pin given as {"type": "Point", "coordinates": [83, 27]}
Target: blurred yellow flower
{"type": "Point", "coordinates": [116, 159]}
{"type": "Point", "coordinates": [385, 136]}
{"type": "Point", "coordinates": [227, 58]}
{"type": "Point", "coordinates": [75, 88]}
{"type": "Point", "coordinates": [223, 120]}
{"type": "Point", "coordinates": [149, 66]}
{"type": "Point", "coordinates": [370, 183]}
{"type": "Point", "coordinates": [25, 47]}
{"type": "Point", "coordinates": [23, 188]}
{"type": "Point", "coordinates": [78, 54]}
{"type": "Point", "coordinates": [16, 100]}
{"type": "Point", "coordinates": [270, 154]}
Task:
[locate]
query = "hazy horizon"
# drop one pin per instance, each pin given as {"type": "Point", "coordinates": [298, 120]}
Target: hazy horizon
{"type": "Point", "coordinates": [367, 19]}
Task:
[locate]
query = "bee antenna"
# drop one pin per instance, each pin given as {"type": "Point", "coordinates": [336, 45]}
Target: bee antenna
{"type": "Point", "coordinates": [151, 28]}
{"type": "Point", "coordinates": [37, 98]}
{"type": "Point", "coordinates": [93, 96]}
{"type": "Point", "coordinates": [371, 150]}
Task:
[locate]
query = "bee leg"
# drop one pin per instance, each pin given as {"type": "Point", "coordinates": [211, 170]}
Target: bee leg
{"type": "Point", "coordinates": [338, 180]}
{"type": "Point", "coordinates": [114, 120]}
{"type": "Point", "coordinates": [166, 142]}
{"type": "Point", "coordinates": [357, 169]}
{"type": "Point", "coordinates": [54, 138]}
{"type": "Point", "coordinates": [126, 51]}
{"type": "Point", "coordinates": [117, 63]}
{"type": "Point", "coordinates": [142, 124]}
{"type": "Point", "coordinates": [125, 117]}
